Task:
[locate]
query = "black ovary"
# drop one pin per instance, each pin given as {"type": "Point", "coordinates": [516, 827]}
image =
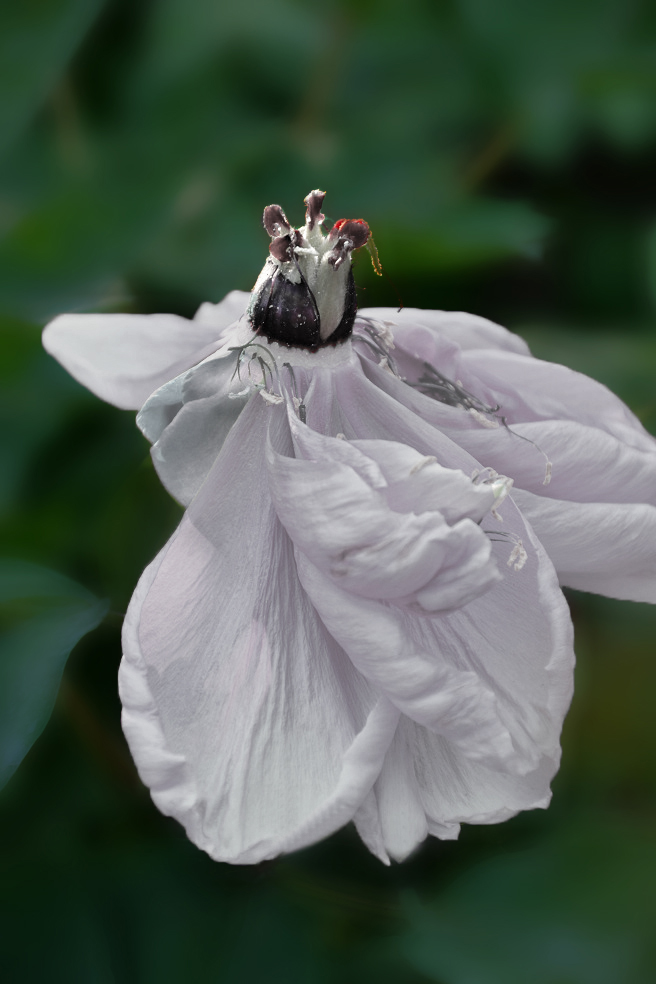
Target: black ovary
{"type": "Point", "coordinates": [287, 313]}
{"type": "Point", "coordinates": [345, 327]}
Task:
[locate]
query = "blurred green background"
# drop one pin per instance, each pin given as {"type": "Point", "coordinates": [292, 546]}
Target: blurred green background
{"type": "Point", "coordinates": [504, 154]}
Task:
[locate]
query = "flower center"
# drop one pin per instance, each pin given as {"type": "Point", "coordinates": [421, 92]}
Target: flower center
{"type": "Point", "coordinates": [305, 295]}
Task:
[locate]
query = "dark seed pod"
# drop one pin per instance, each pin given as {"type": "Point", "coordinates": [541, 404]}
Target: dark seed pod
{"type": "Point", "coordinates": [305, 295]}
{"type": "Point", "coordinates": [286, 313]}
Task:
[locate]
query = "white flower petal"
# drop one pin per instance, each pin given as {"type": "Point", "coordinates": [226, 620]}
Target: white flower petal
{"type": "Point", "coordinates": [469, 331]}
{"type": "Point", "coordinates": [362, 408]}
{"type": "Point", "coordinates": [529, 389]}
{"type": "Point", "coordinates": [367, 823]}
{"type": "Point", "coordinates": [500, 666]}
{"type": "Point", "coordinates": [528, 661]}
{"type": "Point", "coordinates": [439, 429]}
{"type": "Point", "coordinates": [189, 446]}
{"type": "Point", "coordinates": [454, 789]}
{"type": "Point", "coordinates": [250, 724]}
{"type": "Point", "coordinates": [350, 532]}
{"type": "Point", "coordinates": [380, 641]}
{"type": "Point", "coordinates": [608, 548]}
{"type": "Point", "coordinates": [123, 358]}
{"type": "Point", "coordinates": [441, 788]}
{"type": "Point", "coordinates": [394, 818]}
{"type": "Point", "coordinates": [416, 483]}
{"type": "Point", "coordinates": [587, 465]}
{"type": "Point", "coordinates": [230, 309]}
{"type": "Point", "coordinates": [402, 816]}
{"type": "Point", "coordinates": [516, 638]}
{"type": "Point", "coordinates": [188, 419]}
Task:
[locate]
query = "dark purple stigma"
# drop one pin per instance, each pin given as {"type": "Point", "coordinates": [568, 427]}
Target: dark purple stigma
{"type": "Point", "coordinates": [313, 215]}
{"type": "Point", "coordinates": [275, 221]}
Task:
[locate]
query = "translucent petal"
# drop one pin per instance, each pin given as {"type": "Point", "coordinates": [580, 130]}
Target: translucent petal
{"type": "Point", "coordinates": [188, 419]}
{"type": "Point", "coordinates": [468, 331]}
{"type": "Point", "coordinates": [529, 389]}
{"type": "Point", "coordinates": [123, 358]}
{"type": "Point", "coordinates": [608, 548]}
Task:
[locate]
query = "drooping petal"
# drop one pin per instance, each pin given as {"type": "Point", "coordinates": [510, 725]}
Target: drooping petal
{"type": "Point", "coordinates": [499, 643]}
{"type": "Point", "coordinates": [586, 464]}
{"type": "Point", "coordinates": [348, 529]}
{"type": "Point", "coordinates": [393, 816]}
{"type": "Point", "coordinates": [188, 419]}
{"type": "Point", "coordinates": [607, 548]}
{"type": "Point", "coordinates": [426, 786]}
{"type": "Point", "coordinates": [123, 358]}
{"type": "Point", "coordinates": [416, 483]}
{"type": "Point", "coordinates": [516, 640]}
{"type": "Point", "coordinates": [387, 648]}
{"type": "Point", "coordinates": [495, 366]}
{"type": "Point", "coordinates": [528, 389]}
{"type": "Point", "coordinates": [505, 657]}
{"type": "Point", "coordinates": [358, 403]}
{"type": "Point", "coordinates": [246, 718]}
{"type": "Point", "coordinates": [448, 426]}
{"type": "Point", "coordinates": [468, 331]}
{"type": "Point", "coordinates": [230, 309]}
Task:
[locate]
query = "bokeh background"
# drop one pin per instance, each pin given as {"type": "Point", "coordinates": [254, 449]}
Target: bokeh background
{"type": "Point", "coordinates": [504, 154]}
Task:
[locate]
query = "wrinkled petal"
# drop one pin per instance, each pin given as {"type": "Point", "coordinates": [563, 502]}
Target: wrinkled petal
{"type": "Point", "coordinates": [361, 406]}
{"type": "Point", "coordinates": [586, 464]}
{"type": "Point", "coordinates": [505, 375]}
{"type": "Point", "coordinates": [123, 358]}
{"type": "Point", "coordinates": [451, 427]}
{"type": "Point", "coordinates": [188, 419]}
{"type": "Point", "coordinates": [244, 716]}
{"type": "Point", "coordinates": [515, 640]}
{"type": "Point", "coordinates": [608, 548]}
{"type": "Point", "coordinates": [528, 389]}
{"type": "Point", "coordinates": [379, 641]}
{"type": "Point", "coordinates": [416, 483]}
{"type": "Point", "coordinates": [468, 331]}
{"type": "Point", "coordinates": [426, 787]}
{"type": "Point", "coordinates": [350, 532]}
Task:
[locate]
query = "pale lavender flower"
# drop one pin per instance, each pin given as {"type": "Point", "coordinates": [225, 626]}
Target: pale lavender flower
{"type": "Point", "coordinates": [359, 616]}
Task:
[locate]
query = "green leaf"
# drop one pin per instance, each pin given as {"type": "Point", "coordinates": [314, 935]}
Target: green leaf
{"type": "Point", "coordinates": [37, 39]}
{"type": "Point", "coordinates": [42, 616]}
{"type": "Point", "coordinates": [573, 909]}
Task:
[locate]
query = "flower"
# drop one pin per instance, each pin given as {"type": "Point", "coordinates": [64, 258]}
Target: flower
{"type": "Point", "coordinates": [360, 615]}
